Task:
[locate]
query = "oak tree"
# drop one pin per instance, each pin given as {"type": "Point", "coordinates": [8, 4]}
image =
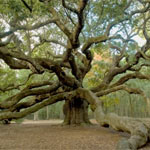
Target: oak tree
{"type": "Point", "coordinates": [60, 38]}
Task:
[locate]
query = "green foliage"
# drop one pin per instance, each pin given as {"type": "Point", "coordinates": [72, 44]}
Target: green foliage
{"type": "Point", "coordinates": [110, 100]}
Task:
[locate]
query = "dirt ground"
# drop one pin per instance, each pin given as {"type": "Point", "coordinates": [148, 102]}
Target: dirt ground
{"type": "Point", "coordinates": [50, 135]}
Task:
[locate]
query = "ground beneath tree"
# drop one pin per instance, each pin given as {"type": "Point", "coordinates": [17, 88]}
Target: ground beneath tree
{"type": "Point", "coordinates": [50, 135]}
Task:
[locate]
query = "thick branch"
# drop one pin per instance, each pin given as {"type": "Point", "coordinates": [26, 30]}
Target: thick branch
{"type": "Point", "coordinates": [94, 40]}
{"type": "Point", "coordinates": [12, 87]}
{"type": "Point", "coordinates": [25, 93]}
{"type": "Point", "coordinates": [27, 6]}
{"type": "Point", "coordinates": [136, 75]}
{"type": "Point", "coordinates": [7, 41]}
{"type": "Point", "coordinates": [24, 27]}
{"type": "Point", "coordinates": [80, 25]}
{"type": "Point", "coordinates": [68, 7]}
{"type": "Point", "coordinates": [21, 56]}
{"type": "Point", "coordinates": [59, 23]}
{"type": "Point", "coordinates": [64, 78]}
{"type": "Point", "coordinates": [122, 87]}
{"type": "Point", "coordinates": [34, 108]}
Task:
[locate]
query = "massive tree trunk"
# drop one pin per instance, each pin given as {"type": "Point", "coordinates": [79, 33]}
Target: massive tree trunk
{"type": "Point", "coordinates": [76, 112]}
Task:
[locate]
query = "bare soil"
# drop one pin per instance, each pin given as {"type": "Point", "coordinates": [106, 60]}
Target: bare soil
{"type": "Point", "coordinates": [50, 135]}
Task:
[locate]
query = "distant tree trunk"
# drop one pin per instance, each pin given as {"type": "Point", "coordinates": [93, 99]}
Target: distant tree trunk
{"type": "Point", "coordinates": [36, 117]}
{"type": "Point", "coordinates": [76, 112]}
{"type": "Point", "coordinates": [47, 112]}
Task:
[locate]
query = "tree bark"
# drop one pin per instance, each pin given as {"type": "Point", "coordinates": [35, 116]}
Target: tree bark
{"type": "Point", "coordinates": [76, 112]}
{"type": "Point", "coordinates": [137, 127]}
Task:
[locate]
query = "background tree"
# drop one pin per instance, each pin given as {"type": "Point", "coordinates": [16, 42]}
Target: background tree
{"type": "Point", "coordinates": [58, 39]}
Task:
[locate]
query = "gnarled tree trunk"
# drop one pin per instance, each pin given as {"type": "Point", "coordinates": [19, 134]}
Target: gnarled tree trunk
{"type": "Point", "coordinates": [76, 112]}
